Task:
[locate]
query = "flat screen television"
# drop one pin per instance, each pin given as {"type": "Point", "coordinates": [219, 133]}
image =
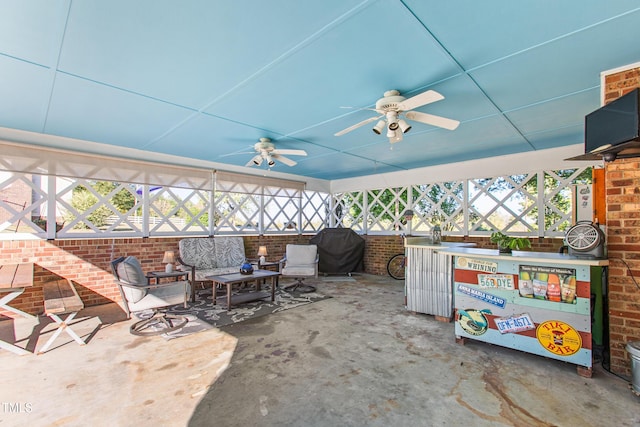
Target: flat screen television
{"type": "Point", "coordinates": [614, 129]}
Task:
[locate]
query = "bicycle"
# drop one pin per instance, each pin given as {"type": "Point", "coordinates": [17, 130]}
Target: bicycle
{"type": "Point", "coordinates": [397, 264]}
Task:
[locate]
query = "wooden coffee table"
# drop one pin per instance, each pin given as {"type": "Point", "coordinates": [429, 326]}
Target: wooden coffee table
{"type": "Point", "coordinates": [258, 276]}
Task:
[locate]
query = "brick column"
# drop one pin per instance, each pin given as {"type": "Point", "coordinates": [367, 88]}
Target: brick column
{"type": "Point", "coordinates": [622, 179]}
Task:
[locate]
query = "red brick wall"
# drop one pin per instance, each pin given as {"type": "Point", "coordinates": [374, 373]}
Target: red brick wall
{"type": "Point", "coordinates": [276, 245]}
{"type": "Point", "coordinates": [622, 181]}
{"type": "Point", "coordinates": [379, 249]}
{"type": "Point", "coordinates": [86, 263]}
{"type": "Point", "coordinates": [623, 244]}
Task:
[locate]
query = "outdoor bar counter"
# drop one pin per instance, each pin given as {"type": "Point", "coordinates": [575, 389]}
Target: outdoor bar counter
{"type": "Point", "coordinates": [548, 304]}
{"type": "Point", "coordinates": [543, 303]}
{"type": "Point", "coordinates": [428, 277]}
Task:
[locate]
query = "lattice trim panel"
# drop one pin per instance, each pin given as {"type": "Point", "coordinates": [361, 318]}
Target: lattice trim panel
{"type": "Point", "coordinates": [530, 204]}
{"type": "Point", "coordinates": [439, 204]}
{"type": "Point", "coordinates": [347, 210]}
{"type": "Point", "coordinates": [314, 212]}
{"type": "Point", "coordinates": [504, 203]}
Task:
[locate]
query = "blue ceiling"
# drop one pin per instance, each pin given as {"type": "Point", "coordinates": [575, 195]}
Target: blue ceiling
{"type": "Point", "coordinates": [206, 79]}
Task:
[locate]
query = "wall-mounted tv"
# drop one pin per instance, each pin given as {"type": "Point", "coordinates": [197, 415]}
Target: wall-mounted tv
{"type": "Point", "coordinates": [614, 129]}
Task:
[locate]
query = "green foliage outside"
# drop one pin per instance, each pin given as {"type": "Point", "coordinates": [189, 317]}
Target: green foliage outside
{"type": "Point", "coordinates": [439, 202]}
{"type": "Point", "coordinates": [83, 199]}
{"type": "Point", "coordinates": [442, 201]}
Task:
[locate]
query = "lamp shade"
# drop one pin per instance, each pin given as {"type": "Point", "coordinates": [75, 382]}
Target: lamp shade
{"type": "Point", "coordinates": [169, 257]}
{"type": "Point", "coordinates": [262, 251]}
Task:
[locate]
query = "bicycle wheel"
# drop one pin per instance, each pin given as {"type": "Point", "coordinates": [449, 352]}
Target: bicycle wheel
{"type": "Point", "coordinates": [395, 267]}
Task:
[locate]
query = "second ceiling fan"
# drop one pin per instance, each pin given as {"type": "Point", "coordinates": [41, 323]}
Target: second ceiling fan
{"type": "Point", "coordinates": [268, 152]}
{"type": "Point", "coordinates": [393, 107]}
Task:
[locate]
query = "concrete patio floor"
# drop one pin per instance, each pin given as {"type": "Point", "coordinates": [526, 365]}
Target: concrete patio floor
{"type": "Point", "coordinates": [357, 359]}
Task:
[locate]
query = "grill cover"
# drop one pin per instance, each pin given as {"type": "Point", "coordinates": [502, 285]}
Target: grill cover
{"type": "Point", "coordinates": [341, 250]}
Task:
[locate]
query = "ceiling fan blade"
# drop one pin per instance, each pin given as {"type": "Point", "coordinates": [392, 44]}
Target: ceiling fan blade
{"type": "Point", "coordinates": [419, 100]}
{"type": "Point", "coordinates": [236, 154]}
{"type": "Point", "coordinates": [432, 120]}
{"type": "Point", "coordinates": [290, 152]}
{"type": "Point", "coordinates": [287, 161]}
{"type": "Point", "coordinates": [357, 125]}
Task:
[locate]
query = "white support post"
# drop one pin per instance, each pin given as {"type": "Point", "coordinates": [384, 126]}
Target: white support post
{"type": "Point", "coordinates": [145, 210]}
{"type": "Point", "coordinates": [541, 204]}
{"type": "Point", "coordinates": [51, 208]}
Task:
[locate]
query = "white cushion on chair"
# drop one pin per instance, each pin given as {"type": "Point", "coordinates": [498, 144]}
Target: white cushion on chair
{"type": "Point", "coordinates": [301, 254]}
{"type": "Point", "coordinates": [162, 297]}
{"type": "Point", "coordinates": [299, 271]}
{"type": "Point", "coordinates": [301, 260]}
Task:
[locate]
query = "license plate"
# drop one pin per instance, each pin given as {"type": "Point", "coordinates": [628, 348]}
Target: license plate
{"type": "Point", "coordinates": [519, 323]}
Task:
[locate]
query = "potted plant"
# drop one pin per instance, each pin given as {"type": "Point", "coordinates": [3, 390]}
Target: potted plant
{"type": "Point", "coordinates": [507, 243]}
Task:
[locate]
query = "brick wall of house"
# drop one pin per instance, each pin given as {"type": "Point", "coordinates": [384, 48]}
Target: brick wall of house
{"type": "Point", "coordinates": [276, 245]}
{"type": "Point", "coordinates": [86, 263]}
{"type": "Point", "coordinates": [379, 249]}
{"type": "Point", "coordinates": [622, 181]}
{"type": "Point", "coordinates": [623, 244]}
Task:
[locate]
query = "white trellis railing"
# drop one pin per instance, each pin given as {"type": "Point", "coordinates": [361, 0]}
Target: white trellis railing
{"type": "Point", "coordinates": [533, 204]}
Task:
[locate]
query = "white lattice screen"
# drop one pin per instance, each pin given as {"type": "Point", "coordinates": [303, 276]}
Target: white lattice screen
{"type": "Point", "coordinates": [532, 204]}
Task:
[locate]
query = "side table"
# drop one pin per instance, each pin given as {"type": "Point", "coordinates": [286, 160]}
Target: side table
{"type": "Point", "coordinates": [157, 275]}
{"type": "Point", "coordinates": [267, 265]}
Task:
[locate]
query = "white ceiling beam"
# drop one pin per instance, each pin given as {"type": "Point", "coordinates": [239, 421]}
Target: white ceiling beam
{"type": "Point", "coordinates": [551, 159]}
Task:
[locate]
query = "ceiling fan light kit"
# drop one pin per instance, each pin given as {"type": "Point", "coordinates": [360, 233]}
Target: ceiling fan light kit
{"type": "Point", "coordinates": [378, 127]}
{"type": "Point", "coordinates": [392, 105]}
{"type": "Point", "coordinates": [404, 126]}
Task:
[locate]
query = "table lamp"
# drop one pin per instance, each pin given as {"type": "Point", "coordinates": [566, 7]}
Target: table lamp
{"type": "Point", "coordinates": [169, 259]}
{"type": "Point", "coordinates": [262, 253]}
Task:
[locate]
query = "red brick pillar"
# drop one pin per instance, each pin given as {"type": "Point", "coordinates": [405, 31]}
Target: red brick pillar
{"type": "Point", "coordinates": [623, 243]}
{"type": "Point", "coordinates": [622, 181]}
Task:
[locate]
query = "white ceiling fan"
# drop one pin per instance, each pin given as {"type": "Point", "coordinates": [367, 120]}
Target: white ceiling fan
{"type": "Point", "coordinates": [268, 152]}
{"type": "Point", "coordinates": [392, 107]}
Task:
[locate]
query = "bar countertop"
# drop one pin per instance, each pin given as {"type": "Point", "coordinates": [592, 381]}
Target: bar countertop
{"type": "Point", "coordinates": [426, 243]}
{"type": "Point", "coordinates": [526, 256]}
